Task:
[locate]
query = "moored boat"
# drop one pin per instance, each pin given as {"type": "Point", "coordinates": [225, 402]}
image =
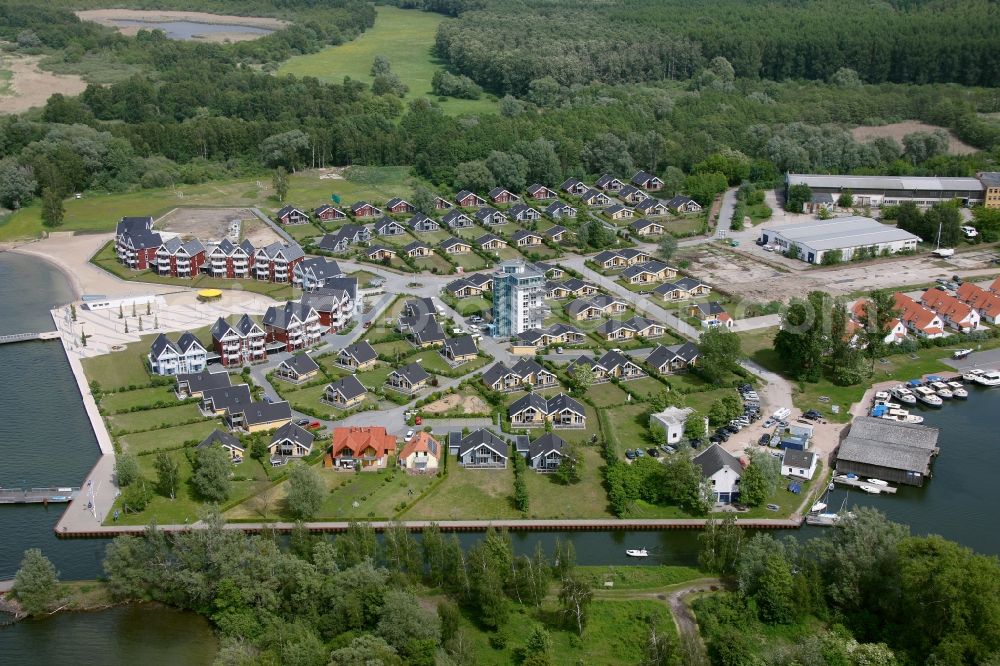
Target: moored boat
{"type": "Point", "coordinates": [870, 489]}
{"type": "Point", "coordinates": [958, 391]}
{"type": "Point", "coordinates": [877, 482]}
{"type": "Point", "coordinates": [637, 552]}
{"type": "Point", "coordinates": [941, 389]}
{"type": "Point", "coordinates": [927, 396]}
{"type": "Point", "coordinates": [971, 375]}
{"type": "Point", "coordinates": [903, 394]}
{"type": "Point", "coordinates": [902, 416]}
{"type": "Point", "coordinates": [991, 378]}
{"type": "Point", "coordinates": [881, 396]}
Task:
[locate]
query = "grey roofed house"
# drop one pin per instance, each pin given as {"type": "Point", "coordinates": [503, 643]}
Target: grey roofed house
{"type": "Point", "coordinates": [547, 443]}
{"type": "Point", "coordinates": [290, 251]}
{"type": "Point", "coordinates": [579, 305]}
{"type": "Point", "coordinates": [457, 219]}
{"type": "Point", "coordinates": [610, 326]}
{"type": "Point", "coordinates": [633, 253]}
{"type": "Point", "coordinates": [647, 205]}
{"type": "Point", "coordinates": [395, 201]}
{"type": "Point", "coordinates": [361, 352]}
{"type": "Point", "coordinates": [463, 345]}
{"type": "Point", "coordinates": [555, 230]}
{"type": "Point", "coordinates": [689, 283]}
{"type": "Point", "coordinates": [711, 308]}
{"type": "Point", "coordinates": [319, 211]}
{"type": "Point", "coordinates": [890, 450]}
{"type": "Point", "coordinates": [488, 238]}
{"type": "Point", "coordinates": [420, 222]}
{"type": "Point", "coordinates": [714, 458]}
{"type": "Point", "coordinates": [687, 352]}
{"type": "Point", "coordinates": [652, 267]}
{"type": "Point", "coordinates": [452, 242]}
{"type": "Point", "coordinates": [540, 404]}
{"type": "Point", "coordinates": [349, 387]}
{"type": "Point", "coordinates": [374, 250]}
{"type": "Point", "coordinates": [839, 232]}
{"type": "Point", "coordinates": [563, 402]}
{"type": "Point", "coordinates": [560, 209]}
{"type": "Point", "coordinates": [361, 205]}
{"type": "Point", "coordinates": [225, 246]}
{"type": "Point", "coordinates": [989, 178]}
{"type": "Point", "coordinates": [576, 284]}
{"type": "Point", "coordinates": [456, 286]}
{"type": "Point", "coordinates": [612, 359]}
{"type": "Point", "coordinates": [197, 382]}
{"type": "Point", "coordinates": [667, 288]}
{"type": "Point", "coordinates": [606, 255]}
{"type": "Point", "coordinates": [527, 366]}
{"type": "Point", "coordinates": [584, 360]}
{"type": "Point", "coordinates": [161, 344]}
{"type": "Point", "coordinates": [489, 215]}
{"type": "Point", "coordinates": [301, 364]}
{"type": "Point", "coordinates": [294, 433]}
{"type": "Point", "coordinates": [607, 180]}
{"type": "Point", "coordinates": [642, 223]}
{"type": "Point", "coordinates": [281, 317]}
{"type": "Point", "coordinates": [482, 437]}
{"type": "Point", "coordinates": [413, 373]}
{"type": "Point", "coordinates": [326, 299]}
{"type": "Point", "coordinates": [571, 183]}
{"type": "Point", "coordinates": [265, 412]}
{"type": "Point", "coordinates": [415, 245]}
{"type": "Point", "coordinates": [603, 301]}
{"type": "Point", "coordinates": [481, 280]}
{"type": "Point", "coordinates": [319, 268]}
{"type": "Point", "coordinates": [642, 177]}
{"type": "Point", "coordinates": [523, 212]}
{"type": "Point", "coordinates": [797, 458]}
{"type": "Point", "coordinates": [499, 190]}
{"type": "Point", "coordinates": [246, 325]}
{"type": "Point", "coordinates": [564, 329]}
{"type": "Point", "coordinates": [222, 438]}
{"type": "Point", "coordinates": [524, 233]}
{"type": "Point", "coordinates": [139, 232]}
{"type": "Point", "coordinates": [227, 398]}
{"type": "Point", "coordinates": [640, 324]}
{"type": "Point", "coordinates": [495, 373]}
{"type": "Point", "coordinates": [332, 286]}
{"type": "Point", "coordinates": [247, 247]}
{"type": "Point", "coordinates": [616, 208]}
{"type": "Point", "coordinates": [430, 332]}
{"type": "Point", "coordinates": [680, 201]}
{"type": "Point", "coordinates": [386, 226]}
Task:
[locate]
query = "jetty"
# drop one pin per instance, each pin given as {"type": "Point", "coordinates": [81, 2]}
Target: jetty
{"type": "Point", "coordinates": [27, 337]}
{"type": "Point", "coordinates": [864, 484]}
{"type": "Point", "coordinates": [38, 495]}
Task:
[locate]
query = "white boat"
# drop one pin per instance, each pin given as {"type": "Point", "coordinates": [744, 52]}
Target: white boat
{"type": "Point", "coordinates": [888, 405]}
{"type": "Point", "coordinates": [958, 391]}
{"type": "Point", "coordinates": [823, 519]}
{"type": "Point", "coordinates": [870, 489]}
{"type": "Point", "coordinates": [971, 375]}
{"type": "Point", "coordinates": [903, 394]}
{"type": "Point", "coordinates": [818, 507]}
{"type": "Point", "coordinates": [640, 552]}
{"type": "Point", "coordinates": [991, 378]}
{"type": "Point", "coordinates": [941, 389]}
{"type": "Point", "coordinates": [902, 416]}
{"type": "Point", "coordinates": [927, 396]}
{"type": "Point", "coordinates": [881, 396]}
{"type": "Point", "coordinates": [877, 482]}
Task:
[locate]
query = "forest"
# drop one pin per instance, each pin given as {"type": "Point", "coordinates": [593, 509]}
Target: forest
{"type": "Point", "coordinates": [505, 46]}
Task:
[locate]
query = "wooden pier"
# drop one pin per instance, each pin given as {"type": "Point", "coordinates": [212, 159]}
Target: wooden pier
{"type": "Point", "coordinates": [27, 337]}
{"type": "Point", "coordinates": [37, 495]}
{"type": "Point", "coordinates": [859, 482]}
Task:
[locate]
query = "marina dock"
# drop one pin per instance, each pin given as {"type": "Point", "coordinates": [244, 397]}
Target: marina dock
{"type": "Point", "coordinates": [863, 484]}
{"type": "Point", "coordinates": [26, 337]}
{"type": "Point", "coordinates": [38, 495]}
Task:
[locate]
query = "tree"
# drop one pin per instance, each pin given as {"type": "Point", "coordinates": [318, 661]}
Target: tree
{"type": "Point", "coordinates": [596, 235]}
{"type": "Point", "coordinates": [667, 246]}
{"type": "Point", "coordinates": [799, 343]}
{"type": "Point", "coordinates": [570, 464]}
{"type": "Point", "coordinates": [720, 544]}
{"type": "Point", "coordinates": [704, 187]}
{"type": "Point", "coordinates": [402, 621]}
{"type": "Point", "coordinates": [36, 584]}
{"type": "Point", "coordinates": [212, 472]}
{"type": "Point", "coordinates": [380, 66]}
{"type": "Point", "coordinates": [449, 618]}
{"type": "Point", "coordinates": [537, 647]}
{"type": "Point", "coordinates": [126, 469]}
{"type": "Point", "coordinates": [424, 200]}
{"type": "Point", "coordinates": [774, 597]}
{"type": "Point", "coordinates": [168, 474]}
{"type": "Point", "coordinates": [510, 106]}
{"type": "Point", "coordinates": [356, 546]}
{"type": "Point", "coordinates": [287, 149]}
{"type": "Point", "coordinates": [575, 596]}
{"type": "Point", "coordinates": [673, 181]}
{"type": "Point", "coordinates": [279, 180]}
{"type": "Point", "coordinates": [845, 77]}
{"type": "Point", "coordinates": [401, 550]}
{"type": "Point", "coordinates": [725, 409]}
{"type": "Point", "coordinates": [389, 84]}
{"type": "Point", "coordinates": [582, 376]}
{"type": "Point", "coordinates": [607, 154]}
{"type": "Point", "coordinates": [719, 354]}
{"type": "Point", "coordinates": [921, 146]}
{"type": "Point", "coordinates": [662, 648]}
{"type": "Point", "coordinates": [53, 210]}
{"type": "Point", "coordinates": [473, 176]}
{"type": "Point", "coordinates": [543, 161]}
{"type": "Point", "coordinates": [305, 492]}
{"type": "Point", "coordinates": [520, 497]}
{"type": "Point", "coordinates": [694, 426]}
{"type": "Point", "coordinates": [846, 199]}
{"type": "Point", "coordinates": [17, 184]}
{"type": "Point", "coordinates": [509, 170]}
{"type": "Point", "coordinates": [844, 358]}
{"type": "Point", "coordinates": [798, 196]}
{"type": "Point", "coordinates": [753, 491]}
{"type": "Point", "coordinates": [366, 649]}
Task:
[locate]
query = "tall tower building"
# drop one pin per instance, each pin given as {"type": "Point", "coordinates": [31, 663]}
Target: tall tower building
{"type": "Point", "coordinates": [518, 298]}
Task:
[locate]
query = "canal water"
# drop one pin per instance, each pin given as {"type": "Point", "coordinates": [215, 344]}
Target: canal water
{"type": "Point", "coordinates": [187, 30]}
{"type": "Point", "coordinates": [146, 634]}
{"type": "Point", "coordinates": [46, 440]}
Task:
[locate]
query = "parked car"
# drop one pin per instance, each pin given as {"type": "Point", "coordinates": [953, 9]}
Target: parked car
{"type": "Point", "coordinates": [695, 443]}
{"type": "Point", "coordinates": [717, 438]}
{"type": "Point", "coordinates": [408, 436]}
{"type": "Point", "coordinates": [302, 422]}
{"type": "Point", "coordinates": [813, 414]}
{"type": "Point", "coordinates": [630, 454]}
{"type": "Point", "coordinates": [653, 452]}
{"type": "Point", "coordinates": [764, 440]}
{"type": "Point", "coordinates": [723, 433]}
{"type": "Point", "coordinates": [639, 453]}
{"type": "Point", "coordinates": [559, 350]}
{"type": "Point", "coordinates": [314, 425]}
{"type": "Point", "coordinates": [733, 428]}
{"type": "Point", "coordinates": [668, 449]}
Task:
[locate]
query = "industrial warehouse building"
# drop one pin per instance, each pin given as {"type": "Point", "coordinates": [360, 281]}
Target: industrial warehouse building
{"type": "Point", "coordinates": [890, 190]}
{"type": "Point", "coordinates": [817, 237]}
{"type": "Point", "coordinates": [888, 450]}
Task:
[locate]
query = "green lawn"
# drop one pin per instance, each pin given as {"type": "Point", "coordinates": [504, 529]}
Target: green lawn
{"type": "Point", "coordinates": [685, 226]}
{"type": "Point", "coordinates": [483, 493]}
{"type": "Point", "coordinates": [586, 499]}
{"type": "Point", "coordinates": [186, 507]}
{"type": "Point", "coordinates": [616, 633]}
{"type": "Point", "coordinates": [630, 426]}
{"type": "Point", "coordinates": [118, 402]}
{"type": "Point", "coordinates": [119, 369]}
{"type": "Point", "coordinates": [470, 261]}
{"type": "Point", "coordinates": [376, 497]}
{"type": "Point", "coordinates": [406, 37]}
{"type": "Point", "coordinates": [401, 347]}
{"type": "Point", "coordinates": [150, 419]}
{"type": "Point", "coordinates": [638, 578]}
{"type": "Point", "coordinates": [167, 438]}
{"type": "Point", "coordinates": [646, 386]}
{"type": "Point", "coordinates": [99, 213]}
{"type": "Point", "coordinates": [373, 379]}
{"type": "Point", "coordinates": [433, 262]}
{"type": "Point", "coordinates": [432, 361]}
{"type": "Point", "coordinates": [606, 395]}
{"type": "Point", "coordinates": [472, 305]}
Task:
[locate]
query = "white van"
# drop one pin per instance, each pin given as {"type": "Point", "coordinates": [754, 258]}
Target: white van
{"type": "Point", "coordinates": [781, 414]}
{"type": "Point", "coordinates": [970, 232]}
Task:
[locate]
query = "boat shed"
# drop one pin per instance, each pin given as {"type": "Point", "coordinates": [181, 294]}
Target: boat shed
{"type": "Point", "coordinates": [889, 450]}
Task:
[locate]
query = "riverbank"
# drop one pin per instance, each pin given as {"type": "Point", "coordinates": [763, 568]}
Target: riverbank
{"type": "Point", "coordinates": [72, 596]}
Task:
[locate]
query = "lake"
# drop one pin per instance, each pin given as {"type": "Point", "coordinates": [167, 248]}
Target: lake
{"type": "Point", "coordinates": [188, 30]}
{"type": "Point", "coordinates": [147, 634]}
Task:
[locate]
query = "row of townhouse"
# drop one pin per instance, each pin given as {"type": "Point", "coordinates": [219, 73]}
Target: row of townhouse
{"type": "Point", "coordinates": [594, 307]}
{"type": "Point", "coordinates": [570, 288]}
{"type": "Point", "coordinates": [218, 397]}
{"type": "Point", "coordinates": [663, 360]}
{"type": "Point", "coordinates": [955, 313]}
{"type": "Point", "coordinates": [482, 449]}
{"type": "Point", "coordinates": [634, 327]}
{"type": "Point", "coordinates": [523, 374]}
{"type": "Point", "coordinates": [534, 411]}
{"type": "Point", "coordinates": [556, 334]}
{"type": "Point", "coordinates": [140, 248]}
{"type": "Point", "coordinates": [984, 301]}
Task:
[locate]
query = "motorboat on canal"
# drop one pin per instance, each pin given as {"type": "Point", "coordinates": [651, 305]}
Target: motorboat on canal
{"type": "Point", "coordinates": [958, 391]}
{"type": "Point", "coordinates": [903, 394]}
{"type": "Point", "coordinates": [991, 378]}
{"type": "Point", "coordinates": [941, 389]}
{"type": "Point", "coordinates": [637, 552]}
{"type": "Point", "coordinates": [927, 396]}
{"type": "Point", "coordinates": [972, 375]}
